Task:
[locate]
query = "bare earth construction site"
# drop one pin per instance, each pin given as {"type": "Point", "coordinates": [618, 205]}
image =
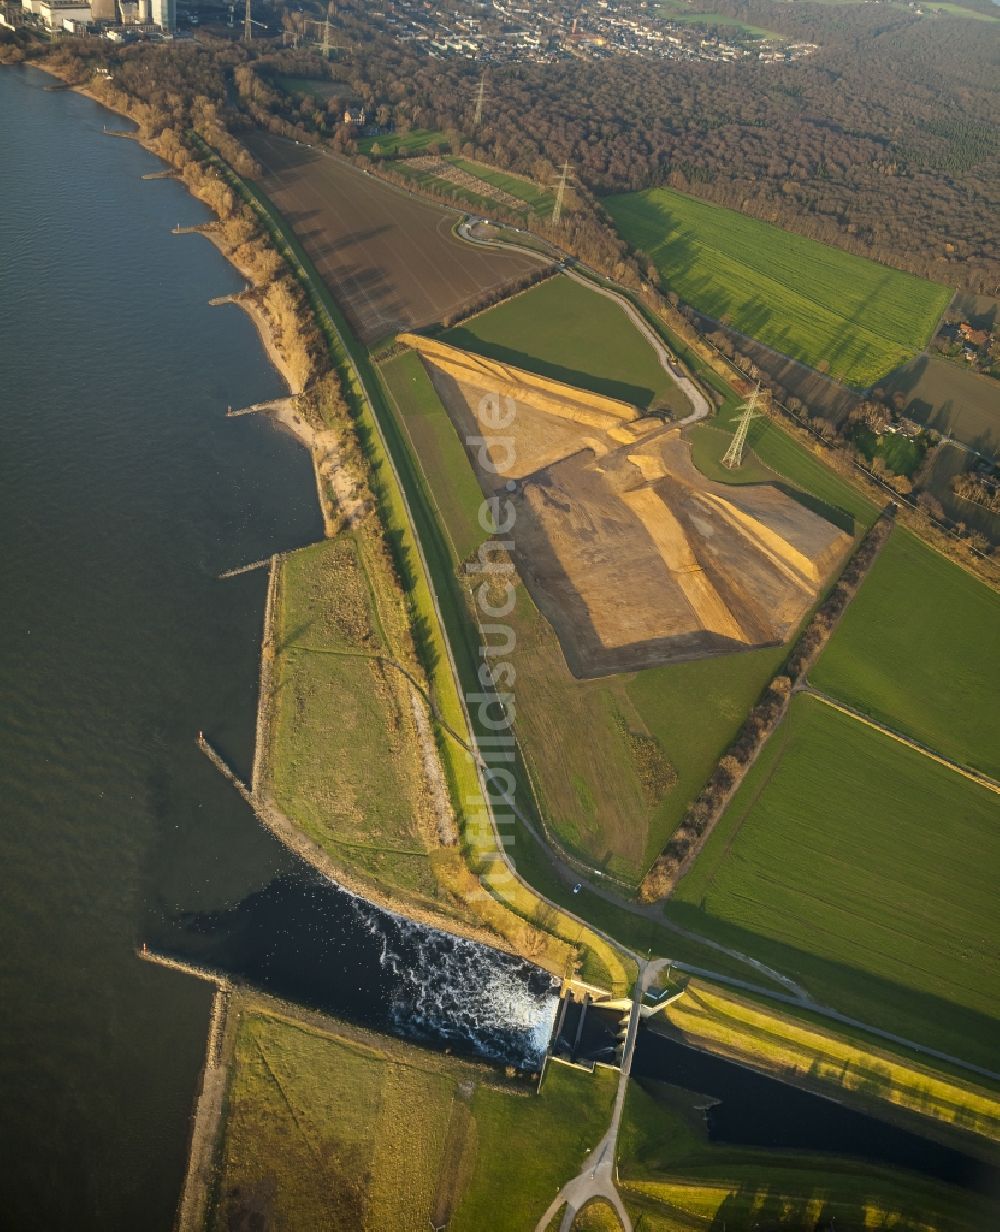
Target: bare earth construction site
{"type": "Point", "coordinates": [633, 555]}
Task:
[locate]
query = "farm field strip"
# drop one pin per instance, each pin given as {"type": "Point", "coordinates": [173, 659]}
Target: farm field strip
{"type": "Point", "coordinates": [807, 300]}
{"type": "Point", "coordinates": [565, 330]}
{"type": "Point", "coordinates": [393, 262]}
{"type": "Point", "coordinates": [863, 853]}
{"type": "Point", "coordinates": [986, 783]}
{"type": "Point", "coordinates": [538, 198]}
{"type": "Point", "coordinates": [933, 671]}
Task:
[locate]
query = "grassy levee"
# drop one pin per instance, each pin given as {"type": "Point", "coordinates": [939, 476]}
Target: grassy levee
{"type": "Point", "coordinates": [917, 652]}
{"type": "Point", "coordinates": [863, 869]}
{"type": "Point", "coordinates": [823, 1058]}
{"type": "Point", "coordinates": [818, 304]}
{"type": "Point", "coordinates": [674, 1180]}
{"type": "Point", "coordinates": [567, 332]}
{"type": "Point", "coordinates": [330, 1126]}
{"type": "Point", "coordinates": [420, 554]}
{"type": "Point", "coordinates": [343, 760]}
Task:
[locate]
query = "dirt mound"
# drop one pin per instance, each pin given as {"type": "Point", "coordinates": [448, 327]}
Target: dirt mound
{"type": "Point", "coordinates": [630, 552]}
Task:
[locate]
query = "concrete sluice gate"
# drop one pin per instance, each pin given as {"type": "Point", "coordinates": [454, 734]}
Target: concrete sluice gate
{"type": "Point", "coordinates": [632, 554]}
{"type": "Point", "coordinates": [587, 1031]}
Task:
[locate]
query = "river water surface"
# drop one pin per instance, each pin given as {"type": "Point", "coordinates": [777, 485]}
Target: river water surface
{"type": "Point", "coordinates": [125, 491]}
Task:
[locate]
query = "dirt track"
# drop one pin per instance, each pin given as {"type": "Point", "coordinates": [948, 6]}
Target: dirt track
{"type": "Point", "coordinates": [391, 261]}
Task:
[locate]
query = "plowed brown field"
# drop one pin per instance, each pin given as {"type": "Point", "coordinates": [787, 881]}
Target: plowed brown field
{"type": "Point", "coordinates": [391, 261]}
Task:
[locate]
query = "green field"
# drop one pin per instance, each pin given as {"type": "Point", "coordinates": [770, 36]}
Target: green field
{"type": "Point", "coordinates": [866, 870]}
{"type": "Point", "coordinates": [676, 10]}
{"type": "Point", "coordinates": [571, 333]}
{"type": "Point", "coordinates": [318, 87]}
{"type": "Point", "coordinates": [344, 762]}
{"type": "Point", "coordinates": [540, 199]}
{"type": "Point", "coordinates": [675, 1180]}
{"type": "Point", "coordinates": [350, 1130]}
{"type": "Point", "coordinates": [917, 650]}
{"type": "Point", "coordinates": [828, 308]}
{"type": "Point", "coordinates": [438, 445]}
{"type": "Point", "coordinates": [413, 142]}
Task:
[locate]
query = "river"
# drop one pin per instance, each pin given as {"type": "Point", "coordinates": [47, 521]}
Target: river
{"type": "Point", "coordinates": [125, 492]}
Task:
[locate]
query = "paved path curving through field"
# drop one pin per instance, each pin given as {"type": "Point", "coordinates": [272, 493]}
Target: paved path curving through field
{"type": "Point", "coordinates": [699, 403]}
{"type": "Point", "coordinates": [596, 1179]}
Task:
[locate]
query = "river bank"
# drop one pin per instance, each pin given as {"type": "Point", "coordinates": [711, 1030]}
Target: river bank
{"type": "Point", "coordinates": [324, 446]}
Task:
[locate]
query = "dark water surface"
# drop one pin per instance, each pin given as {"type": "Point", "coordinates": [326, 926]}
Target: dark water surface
{"type": "Point", "coordinates": [125, 491]}
{"type": "Point", "coordinates": [757, 1111]}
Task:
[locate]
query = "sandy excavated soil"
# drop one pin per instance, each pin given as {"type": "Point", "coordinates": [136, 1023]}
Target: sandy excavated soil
{"type": "Point", "coordinates": [630, 552]}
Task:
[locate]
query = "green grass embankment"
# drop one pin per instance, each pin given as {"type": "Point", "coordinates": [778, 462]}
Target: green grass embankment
{"type": "Point", "coordinates": [420, 553]}
{"type": "Point", "coordinates": [344, 760]}
{"type": "Point", "coordinates": [673, 1178]}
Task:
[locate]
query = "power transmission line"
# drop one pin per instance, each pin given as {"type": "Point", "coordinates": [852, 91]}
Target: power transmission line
{"type": "Point", "coordinates": [748, 411]}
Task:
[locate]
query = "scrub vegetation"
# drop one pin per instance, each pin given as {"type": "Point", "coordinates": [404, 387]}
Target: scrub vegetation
{"type": "Point", "coordinates": [329, 1126]}
{"type": "Point", "coordinates": [862, 868]}
{"type": "Point", "coordinates": [830, 309]}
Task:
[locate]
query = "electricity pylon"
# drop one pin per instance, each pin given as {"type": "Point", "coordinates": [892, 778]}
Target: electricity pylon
{"type": "Point", "coordinates": [560, 194]}
{"type": "Point", "coordinates": [247, 24]}
{"type": "Point", "coordinates": [748, 411]}
{"type": "Point", "coordinates": [324, 44]}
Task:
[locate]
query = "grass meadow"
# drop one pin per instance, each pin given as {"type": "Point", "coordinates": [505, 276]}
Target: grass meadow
{"type": "Point", "coordinates": [917, 651]}
{"type": "Point", "coordinates": [344, 762]}
{"type": "Point", "coordinates": [864, 869]}
{"type": "Point", "coordinates": [827, 308]}
{"type": "Point", "coordinates": [673, 1178]}
{"type": "Point", "coordinates": [348, 1130]}
{"type": "Point", "coordinates": [568, 332]}
{"type": "Point", "coordinates": [539, 198]}
{"type": "Point", "coordinates": [440, 449]}
{"type": "Point", "coordinates": [414, 142]}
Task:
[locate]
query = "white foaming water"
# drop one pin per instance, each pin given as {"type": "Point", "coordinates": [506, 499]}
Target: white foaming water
{"type": "Point", "coordinates": [447, 987]}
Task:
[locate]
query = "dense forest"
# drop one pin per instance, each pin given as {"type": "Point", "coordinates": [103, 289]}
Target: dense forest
{"type": "Point", "coordinates": [885, 142]}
